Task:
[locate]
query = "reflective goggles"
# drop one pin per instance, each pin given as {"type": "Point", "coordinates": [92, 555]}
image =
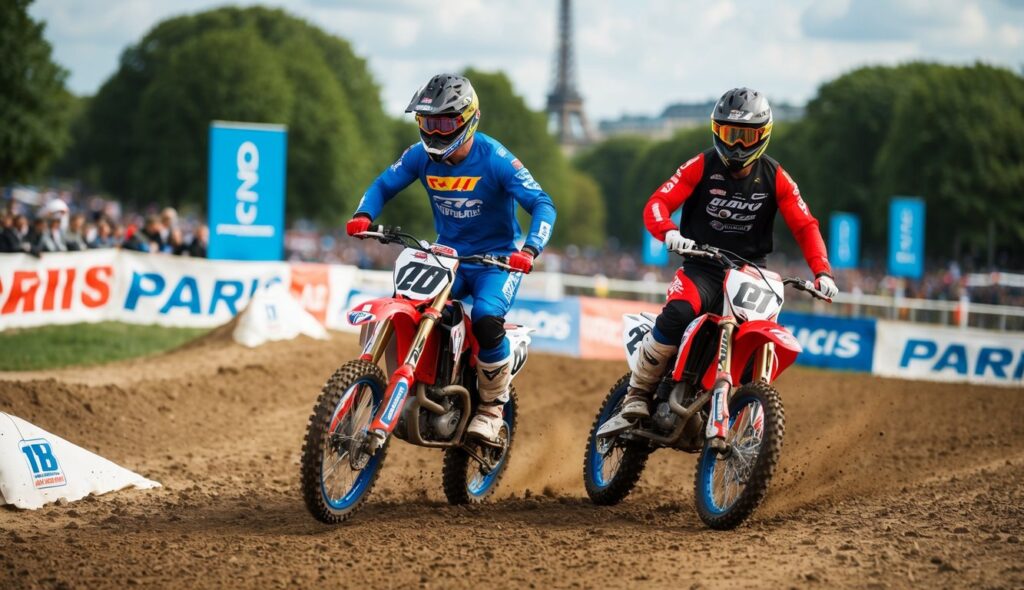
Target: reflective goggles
{"type": "Point", "coordinates": [733, 134]}
{"type": "Point", "coordinates": [439, 124]}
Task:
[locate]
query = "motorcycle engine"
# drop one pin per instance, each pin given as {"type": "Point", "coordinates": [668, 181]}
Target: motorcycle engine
{"type": "Point", "coordinates": [663, 417]}
{"type": "Point", "coordinates": [440, 426]}
{"type": "Point", "coordinates": [445, 424]}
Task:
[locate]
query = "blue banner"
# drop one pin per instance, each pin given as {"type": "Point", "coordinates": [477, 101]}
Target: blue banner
{"type": "Point", "coordinates": [654, 251]}
{"type": "Point", "coordinates": [557, 323]}
{"type": "Point", "coordinates": [906, 237]}
{"type": "Point", "coordinates": [246, 191]}
{"type": "Point", "coordinates": [832, 342]}
{"type": "Point", "coordinates": [844, 241]}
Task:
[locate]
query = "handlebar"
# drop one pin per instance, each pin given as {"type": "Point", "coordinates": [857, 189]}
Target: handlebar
{"type": "Point", "coordinates": [387, 234]}
{"type": "Point", "coordinates": [726, 257]}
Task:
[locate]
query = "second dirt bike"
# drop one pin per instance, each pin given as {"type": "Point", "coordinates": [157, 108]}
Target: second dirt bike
{"type": "Point", "coordinates": [428, 347]}
{"type": "Point", "coordinates": [718, 399]}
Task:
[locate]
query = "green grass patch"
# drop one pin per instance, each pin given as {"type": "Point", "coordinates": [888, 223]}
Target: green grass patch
{"type": "Point", "coordinates": [50, 347]}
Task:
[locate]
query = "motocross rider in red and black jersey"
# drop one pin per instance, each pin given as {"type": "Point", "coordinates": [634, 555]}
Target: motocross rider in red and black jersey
{"type": "Point", "coordinates": [730, 195]}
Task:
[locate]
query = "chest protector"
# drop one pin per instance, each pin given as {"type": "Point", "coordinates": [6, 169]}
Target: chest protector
{"type": "Point", "coordinates": [737, 214]}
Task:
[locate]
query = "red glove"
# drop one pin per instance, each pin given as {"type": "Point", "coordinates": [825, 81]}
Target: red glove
{"type": "Point", "coordinates": [521, 261]}
{"type": "Point", "coordinates": [357, 224]}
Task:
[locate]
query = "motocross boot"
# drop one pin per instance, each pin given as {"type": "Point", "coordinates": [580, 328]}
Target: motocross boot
{"type": "Point", "coordinates": [493, 381]}
{"type": "Point", "coordinates": [651, 363]}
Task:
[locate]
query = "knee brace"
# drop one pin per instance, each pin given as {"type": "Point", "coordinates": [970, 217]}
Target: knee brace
{"type": "Point", "coordinates": [489, 331]}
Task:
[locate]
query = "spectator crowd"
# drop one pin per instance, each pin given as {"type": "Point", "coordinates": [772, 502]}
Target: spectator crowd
{"type": "Point", "coordinates": [52, 221]}
{"type": "Point", "coordinates": [59, 221]}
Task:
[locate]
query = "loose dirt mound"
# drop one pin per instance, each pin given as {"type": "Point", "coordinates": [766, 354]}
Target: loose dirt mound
{"type": "Point", "coordinates": [883, 484]}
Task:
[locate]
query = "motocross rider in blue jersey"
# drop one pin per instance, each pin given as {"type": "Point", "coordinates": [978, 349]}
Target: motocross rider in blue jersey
{"type": "Point", "coordinates": [474, 184]}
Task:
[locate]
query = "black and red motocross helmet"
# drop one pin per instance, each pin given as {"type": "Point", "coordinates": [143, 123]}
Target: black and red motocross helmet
{"type": "Point", "coordinates": [742, 125]}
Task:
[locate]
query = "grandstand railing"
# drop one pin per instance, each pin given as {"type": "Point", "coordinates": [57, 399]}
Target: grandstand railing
{"type": "Point", "coordinates": [962, 313]}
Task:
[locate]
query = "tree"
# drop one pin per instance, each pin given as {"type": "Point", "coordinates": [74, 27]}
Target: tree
{"type": "Point", "coordinates": [147, 128]}
{"type": "Point", "coordinates": [585, 213]}
{"type": "Point", "coordinates": [608, 164]}
{"type": "Point", "coordinates": [246, 83]}
{"type": "Point", "coordinates": [33, 99]}
{"type": "Point", "coordinates": [832, 151]}
{"type": "Point", "coordinates": [957, 139]}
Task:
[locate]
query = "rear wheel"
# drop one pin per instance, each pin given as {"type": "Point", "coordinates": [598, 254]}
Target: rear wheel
{"type": "Point", "coordinates": [612, 466]}
{"type": "Point", "coordinates": [466, 480]}
{"type": "Point", "coordinates": [338, 472]}
{"type": "Point", "coordinates": [729, 487]}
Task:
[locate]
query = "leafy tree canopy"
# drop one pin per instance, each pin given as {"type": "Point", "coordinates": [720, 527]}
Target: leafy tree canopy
{"type": "Point", "coordinates": [34, 104]}
{"type": "Point", "coordinates": [146, 131]}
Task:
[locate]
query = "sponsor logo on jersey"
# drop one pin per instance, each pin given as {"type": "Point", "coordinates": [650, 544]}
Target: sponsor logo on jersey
{"type": "Point", "coordinates": [727, 214]}
{"type": "Point", "coordinates": [758, 196]}
{"type": "Point", "coordinates": [452, 183]}
{"type": "Point", "coordinates": [511, 286]}
{"type": "Point", "coordinates": [717, 176]}
{"type": "Point", "coordinates": [732, 228]}
{"type": "Point", "coordinates": [734, 204]}
{"type": "Point", "coordinates": [517, 164]}
{"type": "Point", "coordinates": [544, 232]}
{"type": "Point", "coordinates": [675, 288]}
{"type": "Point", "coordinates": [800, 203]}
{"type": "Point", "coordinates": [718, 191]}
{"type": "Point", "coordinates": [457, 207]}
{"type": "Point", "coordinates": [527, 179]}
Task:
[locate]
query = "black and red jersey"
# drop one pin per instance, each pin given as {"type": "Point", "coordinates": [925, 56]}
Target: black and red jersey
{"type": "Point", "coordinates": [736, 214]}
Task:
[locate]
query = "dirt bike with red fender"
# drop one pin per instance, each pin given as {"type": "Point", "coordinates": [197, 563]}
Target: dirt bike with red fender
{"type": "Point", "coordinates": [426, 398]}
{"type": "Point", "coordinates": [717, 400]}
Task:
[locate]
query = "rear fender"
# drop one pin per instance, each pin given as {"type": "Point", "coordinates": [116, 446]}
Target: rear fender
{"type": "Point", "coordinates": [634, 327]}
{"type": "Point", "coordinates": [519, 341]}
{"type": "Point", "coordinates": [752, 335]}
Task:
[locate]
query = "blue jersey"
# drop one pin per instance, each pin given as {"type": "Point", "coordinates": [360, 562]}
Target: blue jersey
{"type": "Point", "coordinates": [474, 201]}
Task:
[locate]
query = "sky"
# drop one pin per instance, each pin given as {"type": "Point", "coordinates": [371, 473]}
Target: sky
{"type": "Point", "coordinates": [632, 57]}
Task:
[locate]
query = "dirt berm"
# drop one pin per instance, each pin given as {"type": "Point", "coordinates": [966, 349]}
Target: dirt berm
{"type": "Point", "coordinates": [882, 484]}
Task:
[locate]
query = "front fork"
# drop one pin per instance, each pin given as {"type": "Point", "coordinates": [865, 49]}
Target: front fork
{"type": "Point", "coordinates": [403, 379]}
{"type": "Point", "coordinates": [718, 422]}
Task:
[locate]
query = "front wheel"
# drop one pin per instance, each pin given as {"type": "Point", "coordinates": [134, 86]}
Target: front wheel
{"type": "Point", "coordinates": [612, 466]}
{"type": "Point", "coordinates": [730, 486]}
{"type": "Point", "coordinates": [466, 480]}
{"type": "Point", "coordinates": [338, 469]}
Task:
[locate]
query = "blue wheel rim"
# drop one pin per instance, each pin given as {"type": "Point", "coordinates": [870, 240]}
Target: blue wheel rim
{"type": "Point", "coordinates": [362, 482]}
{"type": "Point", "coordinates": [709, 460]}
{"type": "Point", "coordinates": [596, 463]}
{"type": "Point", "coordinates": [478, 488]}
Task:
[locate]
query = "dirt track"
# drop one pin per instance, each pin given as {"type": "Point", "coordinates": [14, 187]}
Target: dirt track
{"type": "Point", "coordinates": [882, 484]}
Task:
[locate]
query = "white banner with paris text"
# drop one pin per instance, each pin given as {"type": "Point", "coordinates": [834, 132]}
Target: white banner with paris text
{"type": "Point", "coordinates": [936, 353]}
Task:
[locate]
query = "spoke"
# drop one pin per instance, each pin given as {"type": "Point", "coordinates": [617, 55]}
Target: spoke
{"type": "Point", "coordinates": [327, 472]}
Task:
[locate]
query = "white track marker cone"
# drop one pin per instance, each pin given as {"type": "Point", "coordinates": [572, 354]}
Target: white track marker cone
{"type": "Point", "coordinates": [274, 314]}
{"type": "Point", "coordinates": [37, 468]}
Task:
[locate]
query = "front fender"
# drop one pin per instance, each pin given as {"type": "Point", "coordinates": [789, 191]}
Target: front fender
{"type": "Point", "coordinates": [752, 335]}
{"type": "Point", "coordinates": [378, 310]}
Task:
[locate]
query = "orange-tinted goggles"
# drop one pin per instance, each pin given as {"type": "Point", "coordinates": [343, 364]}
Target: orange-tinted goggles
{"type": "Point", "coordinates": [439, 124]}
{"type": "Point", "coordinates": [733, 134]}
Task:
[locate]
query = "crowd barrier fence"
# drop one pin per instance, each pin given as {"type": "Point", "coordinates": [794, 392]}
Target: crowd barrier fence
{"type": "Point", "coordinates": [101, 285]}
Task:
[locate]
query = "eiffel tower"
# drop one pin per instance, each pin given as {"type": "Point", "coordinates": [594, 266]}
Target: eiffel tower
{"type": "Point", "coordinates": [566, 119]}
